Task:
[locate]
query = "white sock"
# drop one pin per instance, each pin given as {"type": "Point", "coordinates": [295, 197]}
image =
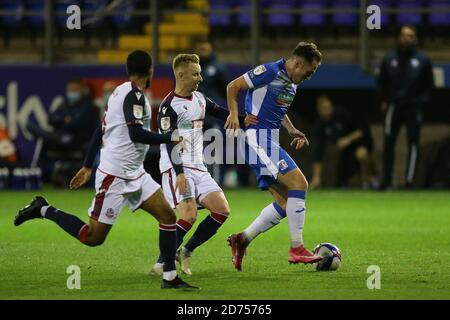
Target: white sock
{"type": "Point", "coordinates": [44, 210]}
{"type": "Point", "coordinates": [269, 217]}
{"type": "Point", "coordinates": [295, 211]}
{"type": "Point", "coordinates": [169, 275]}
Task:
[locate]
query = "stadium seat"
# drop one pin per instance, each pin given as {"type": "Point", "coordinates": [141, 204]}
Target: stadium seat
{"type": "Point", "coordinates": [219, 19]}
{"type": "Point", "coordinates": [96, 6]}
{"type": "Point", "coordinates": [12, 22]}
{"type": "Point", "coordinates": [313, 19]}
{"type": "Point", "coordinates": [409, 18]}
{"type": "Point", "coordinates": [11, 5]}
{"type": "Point", "coordinates": [345, 18]}
{"type": "Point", "coordinates": [439, 18]}
{"type": "Point", "coordinates": [384, 5]}
{"type": "Point", "coordinates": [119, 18]}
{"type": "Point", "coordinates": [280, 19]}
{"type": "Point", "coordinates": [36, 20]}
{"type": "Point", "coordinates": [244, 17]}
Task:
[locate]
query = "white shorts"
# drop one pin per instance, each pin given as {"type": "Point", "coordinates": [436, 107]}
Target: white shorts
{"type": "Point", "coordinates": [198, 185]}
{"type": "Point", "coordinates": [113, 193]}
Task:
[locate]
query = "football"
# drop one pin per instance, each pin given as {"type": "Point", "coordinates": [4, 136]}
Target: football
{"type": "Point", "coordinates": [331, 257]}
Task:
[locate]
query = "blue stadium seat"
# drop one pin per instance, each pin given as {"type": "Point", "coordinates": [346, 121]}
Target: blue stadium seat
{"type": "Point", "coordinates": [97, 6]}
{"type": "Point", "coordinates": [11, 5]}
{"type": "Point", "coordinates": [384, 4]}
{"type": "Point", "coordinates": [244, 18]}
{"type": "Point", "coordinates": [121, 20]}
{"type": "Point", "coordinates": [220, 19]}
{"type": "Point", "coordinates": [313, 19]}
{"type": "Point", "coordinates": [410, 18]}
{"type": "Point", "coordinates": [439, 18]}
{"type": "Point", "coordinates": [344, 18]}
{"type": "Point", "coordinates": [280, 19]}
{"type": "Point", "coordinates": [36, 5]}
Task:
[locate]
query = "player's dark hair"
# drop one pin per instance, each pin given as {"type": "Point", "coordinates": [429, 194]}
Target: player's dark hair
{"type": "Point", "coordinates": [138, 63]}
{"type": "Point", "coordinates": [308, 51]}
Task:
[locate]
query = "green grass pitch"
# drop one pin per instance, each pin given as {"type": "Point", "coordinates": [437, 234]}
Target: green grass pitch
{"type": "Point", "coordinates": [406, 234]}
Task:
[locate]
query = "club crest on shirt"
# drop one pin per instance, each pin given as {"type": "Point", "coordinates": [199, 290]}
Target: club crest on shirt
{"type": "Point", "coordinates": [259, 70]}
{"type": "Point", "coordinates": [165, 123]}
{"type": "Point", "coordinates": [282, 165]}
{"type": "Point", "coordinates": [138, 111]}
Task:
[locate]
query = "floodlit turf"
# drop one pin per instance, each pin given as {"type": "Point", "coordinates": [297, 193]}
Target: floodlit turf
{"type": "Point", "coordinates": [406, 234]}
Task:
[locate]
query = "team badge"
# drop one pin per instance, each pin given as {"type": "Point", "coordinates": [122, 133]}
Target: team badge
{"type": "Point", "coordinates": [138, 111]}
{"type": "Point", "coordinates": [282, 165]}
{"type": "Point", "coordinates": [110, 212]}
{"type": "Point", "coordinates": [165, 123]}
{"type": "Point", "coordinates": [258, 70]}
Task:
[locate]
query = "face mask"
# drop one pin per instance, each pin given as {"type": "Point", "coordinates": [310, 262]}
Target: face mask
{"type": "Point", "coordinates": [73, 97]}
{"type": "Point", "coordinates": [147, 83]}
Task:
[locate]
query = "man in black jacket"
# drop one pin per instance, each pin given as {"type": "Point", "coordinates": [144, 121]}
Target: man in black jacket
{"type": "Point", "coordinates": [405, 82]}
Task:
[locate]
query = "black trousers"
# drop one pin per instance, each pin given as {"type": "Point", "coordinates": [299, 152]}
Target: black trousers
{"type": "Point", "coordinates": [395, 118]}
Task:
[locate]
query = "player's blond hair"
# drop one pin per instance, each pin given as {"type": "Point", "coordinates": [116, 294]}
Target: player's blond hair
{"type": "Point", "coordinates": [184, 59]}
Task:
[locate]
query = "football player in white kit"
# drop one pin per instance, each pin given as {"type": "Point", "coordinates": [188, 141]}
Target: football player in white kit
{"type": "Point", "coordinates": [120, 178]}
{"type": "Point", "coordinates": [185, 179]}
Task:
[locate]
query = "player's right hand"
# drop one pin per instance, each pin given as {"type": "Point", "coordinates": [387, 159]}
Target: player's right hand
{"type": "Point", "coordinates": [232, 124]}
{"type": "Point", "coordinates": [81, 177]}
{"type": "Point", "coordinates": [181, 183]}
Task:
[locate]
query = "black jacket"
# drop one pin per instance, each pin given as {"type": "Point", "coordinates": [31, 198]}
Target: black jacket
{"type": "Point", "coordinates": [406, 79]}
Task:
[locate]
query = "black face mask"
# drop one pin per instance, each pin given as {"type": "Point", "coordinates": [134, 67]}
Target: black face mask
{"type": "Point", "coordinates": [147, 83]}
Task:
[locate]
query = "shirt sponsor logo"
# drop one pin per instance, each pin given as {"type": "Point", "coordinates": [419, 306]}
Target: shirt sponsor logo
{"type": "Point", "coordinates": [165, 123]}
{"type": "Point", "coordinates": [284, 99]}
{"type": "Point", "coordinates": [138, 111]}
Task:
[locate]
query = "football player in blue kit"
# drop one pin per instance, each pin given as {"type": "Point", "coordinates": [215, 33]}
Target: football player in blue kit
{"type": "Point", "coordinates": [270, 89]}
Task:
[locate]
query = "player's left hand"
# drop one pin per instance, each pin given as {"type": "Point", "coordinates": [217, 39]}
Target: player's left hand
{"type": "Point", "coordinates": [81, 177]}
